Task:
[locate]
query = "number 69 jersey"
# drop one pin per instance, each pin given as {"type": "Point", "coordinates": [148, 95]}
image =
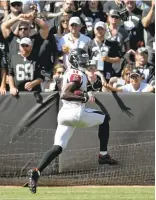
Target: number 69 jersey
{"type": "Point", "coordinates": [25, 70]}
{"type": "Point", "coordinates": [72, 75]}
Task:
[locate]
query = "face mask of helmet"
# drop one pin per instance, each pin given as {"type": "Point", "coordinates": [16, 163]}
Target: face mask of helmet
{"type": "Point", "coordinates": [81, 62]}
{"type": "Point", "coordinates": [79, 59]}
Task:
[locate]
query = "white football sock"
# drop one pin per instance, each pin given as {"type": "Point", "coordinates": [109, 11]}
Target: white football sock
{"type": "Point", "coordinates": [103, 153]}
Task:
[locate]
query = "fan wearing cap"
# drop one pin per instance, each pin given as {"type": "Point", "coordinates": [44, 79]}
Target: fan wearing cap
{"type": "Point", "coordinates": [74, 39]}
{"type": "Point", "coordinates": [92, 12]}
{"type": "Point", "coordinates": [25, 71]}
{"type": "Point", "coordinates": [98, 50]}
{"type": "Point", "coordinates": [135, 85]}
{"type": "Point", "coordinates": [116, 32]}
{"type": "Point", "coordinates": [95, 78]}
{"type": "Point", "coordinates": [141, 62]}
{"type": "Point", "coordinates": [68, 9]}
{"type": "Point", "coordinates": [12, 10]}
{"type": "Point", "coordinates": [15, 7]}
{"type": "Point", "coordinates": [24, 30]}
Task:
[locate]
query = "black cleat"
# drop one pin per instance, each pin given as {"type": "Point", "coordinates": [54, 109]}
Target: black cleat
{"type": "Point", "coordinates": [106, 159]}
{"type": "Point", "coordinates": [34, 175]}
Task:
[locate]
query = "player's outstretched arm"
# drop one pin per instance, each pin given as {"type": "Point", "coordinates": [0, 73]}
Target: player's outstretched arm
{"type": "Point", "coordinates": [70, 93]}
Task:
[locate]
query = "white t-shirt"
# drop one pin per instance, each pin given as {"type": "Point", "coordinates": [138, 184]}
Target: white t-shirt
{"type": "Point", "coordinates": [144, 87]}
{"type": "Point", "coordinates": [79, 43]}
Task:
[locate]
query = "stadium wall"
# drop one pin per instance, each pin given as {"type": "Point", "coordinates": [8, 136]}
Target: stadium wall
{"type": "Point", "coordinates": [27, 128]}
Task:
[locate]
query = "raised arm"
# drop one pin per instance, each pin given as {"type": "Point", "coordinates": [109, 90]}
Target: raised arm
{"type": "Point", "coordinates": [44, 28]}
{"type": "Point", "coordinates": [146, 20]}
{"type": "Point", "coordinates": [6, 26]}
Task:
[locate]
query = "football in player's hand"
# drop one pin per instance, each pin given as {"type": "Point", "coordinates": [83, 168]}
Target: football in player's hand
{"type": "Point", "coordinates": [79, 93]}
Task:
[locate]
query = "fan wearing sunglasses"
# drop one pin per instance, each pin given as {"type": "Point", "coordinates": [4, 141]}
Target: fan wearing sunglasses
{"type": "Point", "coordinates": [16, 7]}
{"type": "Point", "coordinates": [13, 10]}
{"type": "Point", "coordinates": [135, 85]}
{"type": "Point", "coordinates": [25, 69]}
{"type": "Point", "coordinates": [23, 30]}
{"type": "Point", "coordinates": [117, 38]}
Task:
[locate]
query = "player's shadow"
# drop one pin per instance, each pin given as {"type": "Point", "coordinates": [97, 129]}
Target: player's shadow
{"type": "Point", "coordinates": [38, 96]}
{"type": "Point", "coordinates": [103, 109]}
{"type": "Point", "coordinates": [122, 105]}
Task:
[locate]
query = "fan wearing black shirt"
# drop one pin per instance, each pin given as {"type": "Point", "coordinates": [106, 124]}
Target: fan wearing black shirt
{"type": "Point", "coordinates": [23, 30]}
{"type": "Point", "coordinates": [132, 23]}
{"type": "Point", "coordinates": [104, 52]}
{"type": "Point", "coordinates": [43, 47]}
{"type": "Point", "coordinates": [92, 13]}
{"type": "Point", "coordinates": [25, 71]}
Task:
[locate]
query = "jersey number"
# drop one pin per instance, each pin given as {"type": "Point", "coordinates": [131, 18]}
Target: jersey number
{"type": "Point", "coordinates": [24, 72]}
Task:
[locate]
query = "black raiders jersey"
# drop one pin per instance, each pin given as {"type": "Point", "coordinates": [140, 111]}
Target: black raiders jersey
{"type": "Point", "coordinates": [25, 70]}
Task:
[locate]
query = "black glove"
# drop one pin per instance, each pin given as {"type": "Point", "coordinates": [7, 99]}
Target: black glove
{"type": "Point", "coordinates": [86, 97]}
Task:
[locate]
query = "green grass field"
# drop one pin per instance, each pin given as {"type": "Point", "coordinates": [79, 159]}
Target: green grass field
{"type": "Point", "coordinates": [78, 193]}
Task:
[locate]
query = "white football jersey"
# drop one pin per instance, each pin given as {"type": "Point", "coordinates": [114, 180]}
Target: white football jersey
{"type": "Point", "coordinates": [71, 75]}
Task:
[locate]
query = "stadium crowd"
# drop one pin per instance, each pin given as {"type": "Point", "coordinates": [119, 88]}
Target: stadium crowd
{"type": "Point", "coordinates": [37, 36]}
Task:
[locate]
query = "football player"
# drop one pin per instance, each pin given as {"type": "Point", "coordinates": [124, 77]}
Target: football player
{"type": "Point", "coordinates": [74, 97]}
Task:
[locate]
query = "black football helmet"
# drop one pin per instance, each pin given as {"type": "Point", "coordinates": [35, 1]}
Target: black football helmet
{"type": "Point", "coordinates": [79, 59]}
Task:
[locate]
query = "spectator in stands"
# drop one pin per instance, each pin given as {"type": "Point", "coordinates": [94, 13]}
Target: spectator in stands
{"type": "Point", "coordinates": [141, 62]}
{"type": "Point", "coordinates": [96, 79]}
{"type": "Point", "coordinates": [135, 85]}
{"type": "Point", "coordinates": [15, 8]}
{"type": "Point", "coordinates": [3, 73]}
{"type": "Point", "coordinates": [117, 36]}
{"type": "Point", "coordinates": [3, 64]}
{"type": "Point", "coordinates": [43, 46]}
{"type": "Point", "coordinates": [68, 9]}
{"type": "Point", "coordinates": [5, 11]}
{"type": "Point", "coordinates": [124, 79]}
{"type": "Point", "coordinates": [25, 71]}
{"type": "Point", "coordinates": [115, 5]}
{"type": "Point", "coordinates": [92, 13]}
{"type": "Point", "coordinates": [23, 30]}
{"type": "Point", "coordinates": [148, 22]}
{"type": "Point", "coordinates": [55, 83]}
{"type": "Point", "coordinates": [57, 77]}
{"type": "Point", "coordinates": [132, 16]}
{"type": "Point", "coordinates": [104, 55]}
{"type": "Point", "coordinates": [72, 40]}
{"type": "Point", "coordinates": [27, 5]}
{"type": "Point", "coordinates": [63, 28]}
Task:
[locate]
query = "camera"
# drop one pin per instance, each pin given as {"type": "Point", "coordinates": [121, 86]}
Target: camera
{"type": "Point", "coordinates": [124, 14]}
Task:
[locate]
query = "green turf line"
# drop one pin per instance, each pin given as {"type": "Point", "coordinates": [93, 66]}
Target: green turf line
{"type": "Point", "coordinates": [71, 193]}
